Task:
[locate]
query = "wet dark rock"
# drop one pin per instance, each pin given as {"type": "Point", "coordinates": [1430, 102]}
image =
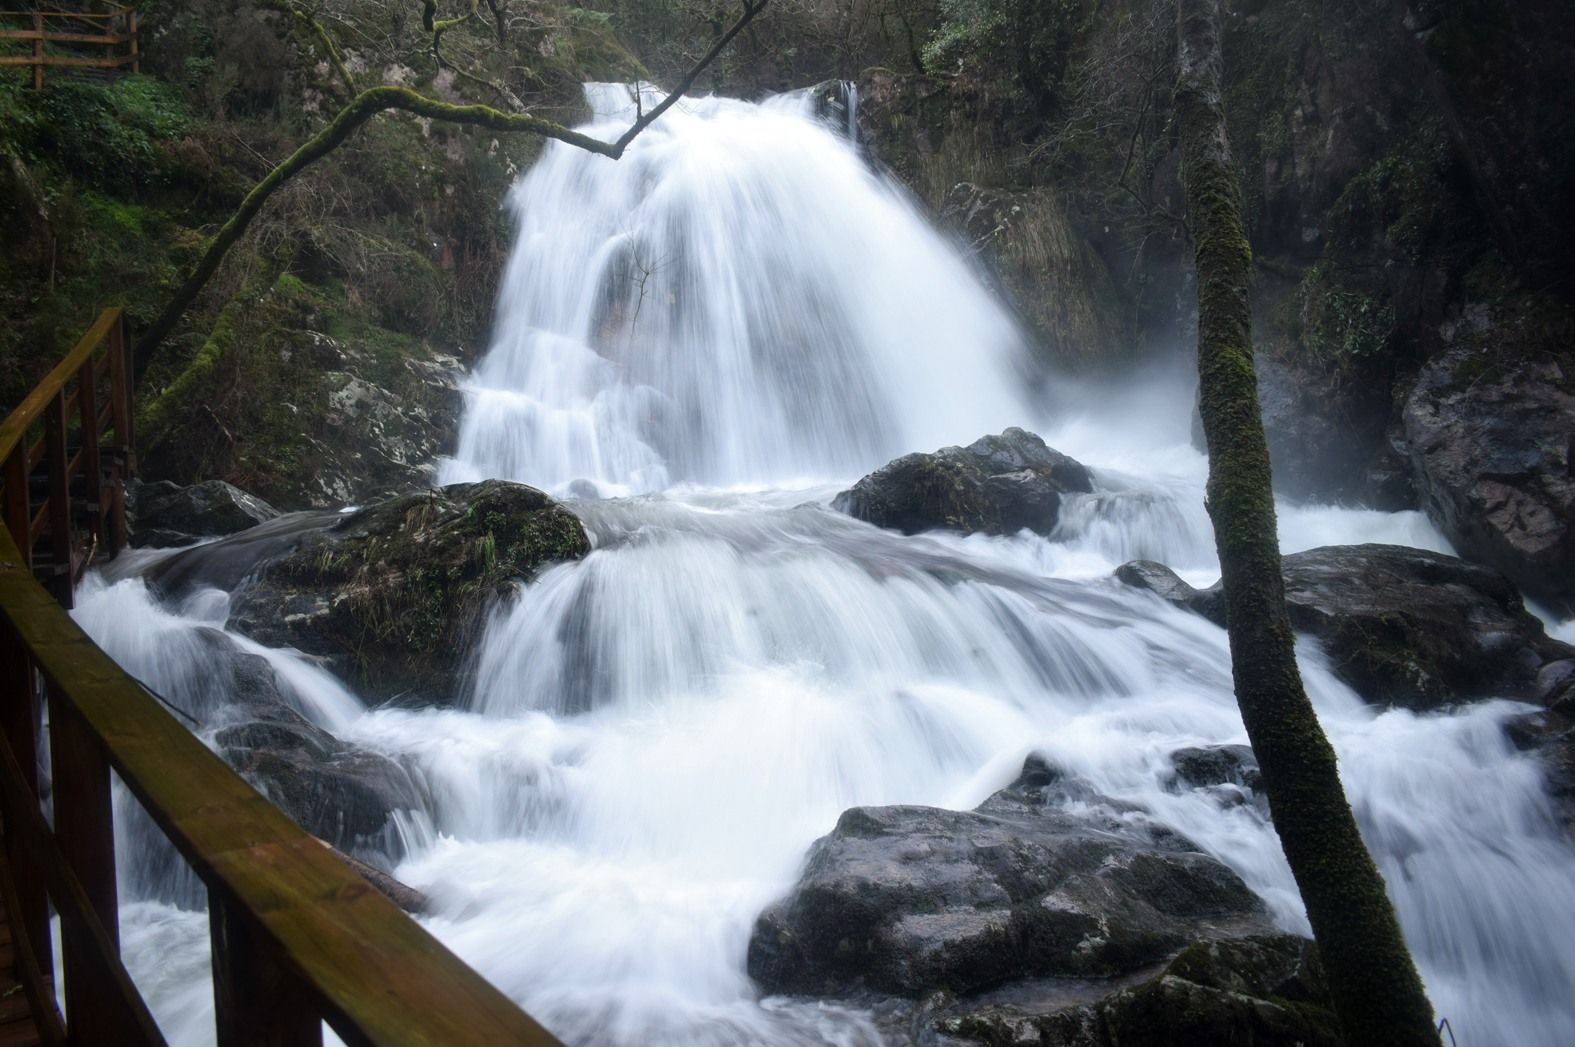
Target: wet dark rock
{"type": "Point", "coordinates": [340, 793]}
{"type": "Point", "coordinates": [1168, 586]}
{"type": "Point", "coordinates": [1494, 458]}
{"type": "Point", "coordinates": [1202, 766]}
{"type": "Point", "coordinates": [1267, 990]}
{"type": "Point", "coordinates": [1556, 687]}
{"type": "Point", "coordinates": [164, 514]}
{"type": "Point", "coordinates": [996, 485]}
{"type": "Point", "coordinates": [394, 592]}
{"type": "Point", "coordinates": [910, 900]}
{"type": "Point", "coordinates": [1402, 626]}
{"type": "Point", "coordinates": [1261, 991]}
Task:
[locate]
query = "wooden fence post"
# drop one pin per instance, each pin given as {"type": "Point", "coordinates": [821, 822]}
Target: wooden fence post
{"type": "Point", "coordinates": [120, 421]}
{"type": "Point", "coordinates": [38, 51]}
{"type": "Point", "coordinates": [58, 459]}
{"type": "Point", "coordinates": [257, 1003]}
{"type": "Point", "coordinates": [19, 504]}
{"type": "Point", "coordinates": [84, 827]}
{"type": "Point", "coordinates": [87, 436]}
{"type": "Point", "coordinates": [19, 721]}
{"type": "Point", "coordinates": [136, 49]}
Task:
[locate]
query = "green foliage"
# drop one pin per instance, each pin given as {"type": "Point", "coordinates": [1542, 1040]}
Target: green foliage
{"type": "Point", "coordinates": [1035, 37]}
{"type": "Point", "coordinates": [1340, 321]}
{"type": "Point", "coordinates": [107, 134]}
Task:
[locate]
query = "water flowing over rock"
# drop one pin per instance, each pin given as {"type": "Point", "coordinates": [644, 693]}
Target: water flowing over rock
{"type": "Point", "coordinates": [165, 514]}
{"type": "Point", "coordinates": [1402, 626]}
{"type": "Point", "coordinates": [1493, 448]}
{"type": "Point", "coordinates": [995, 485]}
{"type": "Point", "coordinates": [909, 900]}
{"type": "Point", "coordinates": [391, 593]}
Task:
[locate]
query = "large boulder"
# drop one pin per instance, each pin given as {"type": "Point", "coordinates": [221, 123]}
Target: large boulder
{"type": "Point", "coordinates": [910, 900]}
{"type": "Point", "coordinates": [996, 485]}
{"type": "Point", "coordinates": [164, 514]}
{"type": "Point", "coordinates": [1245, 992]}
{"type": "Point", "coordinates": [388, 595]}
{"type": "Point", "coordinates": [1494, 463]}
{"type": "Point", "coordinates": [1402, 626]}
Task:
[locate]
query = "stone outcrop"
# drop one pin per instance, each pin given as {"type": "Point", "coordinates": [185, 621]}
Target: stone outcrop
{"type": "Point", "coordinates": [1493, 450]}
{"type": "Point", "coordinates": [163, 514]}
{"type": "Point", "coordinates": [1402, 626]}
{"type": "Point", "coordinates": [995, 485]}
{"type": "Point", "coordinates": [390, 594]}
{"type": "Point", "coordinates": [912, 900]}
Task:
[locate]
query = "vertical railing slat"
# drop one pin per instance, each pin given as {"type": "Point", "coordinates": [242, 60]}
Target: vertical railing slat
{"type": "Point", "coordinates": [57, 460]}
{"type": "Point", "coordinates": [38, 51]}
{"type": "Point", "coordinates": [120, 421]}
{"type": "Point", "coordinates": [87, 433]}
{"type": "Point", "coordinates": [84, 827]}
{"type": "Point", "coordinates": [257, 1003]}
{"type": "Point", "coordinates": [19, 712]}
{"type": "Point", "coordinates": [18, 503]}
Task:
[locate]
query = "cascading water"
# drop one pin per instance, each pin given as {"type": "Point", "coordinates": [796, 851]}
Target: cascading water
{"type": "Point", "coordinates": [731, 323]}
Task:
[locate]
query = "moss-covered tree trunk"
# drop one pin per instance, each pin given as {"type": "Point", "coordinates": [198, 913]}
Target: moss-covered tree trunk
{"type": "Point", "coordinates": [1377, 992]}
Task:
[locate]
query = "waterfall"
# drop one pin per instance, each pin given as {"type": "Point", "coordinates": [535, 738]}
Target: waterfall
{"type": "Point", "coordinates": [716, 334]}
{"type": "Point", "coordinates": [738, 300]}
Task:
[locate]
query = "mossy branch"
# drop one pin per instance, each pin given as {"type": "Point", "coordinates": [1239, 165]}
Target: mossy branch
{"type": "Point", "coordinates": [1377, 992]}
{"type": "Point", "coordinates": [358, 111]}
{"type": "Point", "coordinates": [324, 41]}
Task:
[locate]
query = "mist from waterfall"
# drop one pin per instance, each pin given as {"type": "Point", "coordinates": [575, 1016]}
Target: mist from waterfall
{"type": "Point", "coordinates": [723, 329]}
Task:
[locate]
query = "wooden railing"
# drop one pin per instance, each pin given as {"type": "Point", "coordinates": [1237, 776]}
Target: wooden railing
{"type": "Point", "coordinates": [65, 454]}
{"type": "Point", "coordinates": [297, 937]}
{"type": "Point", "coordinates": [106, 32]}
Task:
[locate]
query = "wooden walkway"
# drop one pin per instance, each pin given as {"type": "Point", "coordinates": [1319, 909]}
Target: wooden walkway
{"type": "Point", "coordinates": [17, 1027]}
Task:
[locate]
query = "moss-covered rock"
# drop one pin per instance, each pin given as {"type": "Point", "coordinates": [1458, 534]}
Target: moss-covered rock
{"type": "Point", "coordinates": [305, 401]}
{"type": "Point", "coordinates": [390, 595]}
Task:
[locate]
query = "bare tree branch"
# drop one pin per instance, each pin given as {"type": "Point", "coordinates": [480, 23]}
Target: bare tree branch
{"type": "Point", "coordinates": [362, 108]}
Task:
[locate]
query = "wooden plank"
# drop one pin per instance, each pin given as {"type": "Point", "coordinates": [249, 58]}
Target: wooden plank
{"type": "Point", "coordinates": [49, 36]}
{"type": "Point", "coordinates": [37, 988]}
{"type": "Point", "coordinates": [85, 829]}
{"type": "Point", "coordinates": [18, 508]}
{"type": "Point", "coordinates": [120, 421]}
{"type": "Point", "coordinates": [87, 438]}
{"type": "Point", "coordinates": [39, 61]}
{"type": "Point", "coordinates": [19, 723]}
{"type": "Point", "coordinates": [38, 54]}
{"type": "Point", "coordinates": [257, 1003]}
{"type": "Point", "coordinates": [13, 431]}
{"type": "Point", "coordinates": [382, 979]}
{"type": "Point", "coordinates": [59, 501]}
{"type": "Point", "coordinates": [124, 1018]}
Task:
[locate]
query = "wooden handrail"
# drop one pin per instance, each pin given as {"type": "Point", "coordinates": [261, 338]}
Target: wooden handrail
{"type": "Point", "coordinates": [298, 938]}
{"type": "Point", "coordinates": [107, 37]}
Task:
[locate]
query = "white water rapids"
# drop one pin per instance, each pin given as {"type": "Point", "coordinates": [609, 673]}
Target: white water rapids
{"type": "Point", "coordinates": [719, 332]}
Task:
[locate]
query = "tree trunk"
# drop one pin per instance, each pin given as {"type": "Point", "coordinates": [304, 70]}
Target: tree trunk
{"type": "Point", "coordinates": [1377, 992]}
